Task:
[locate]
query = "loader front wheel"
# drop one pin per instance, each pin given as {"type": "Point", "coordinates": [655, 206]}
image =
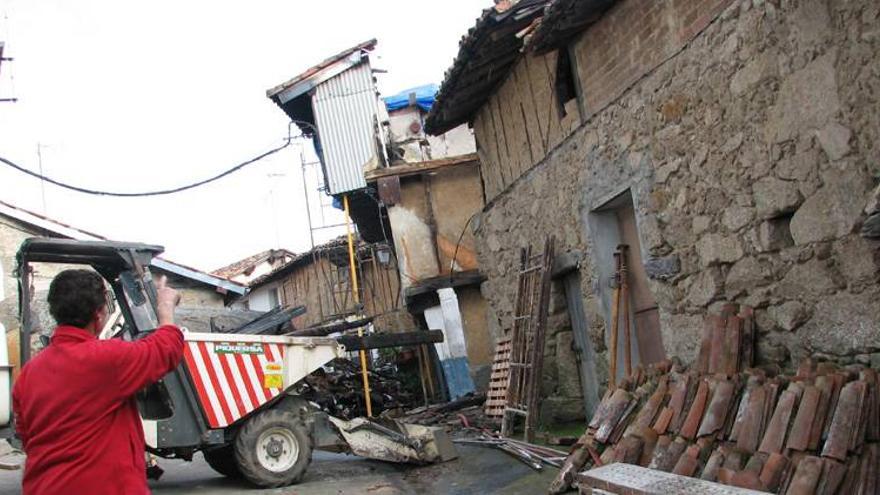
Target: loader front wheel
{"type": "Point", "coordinates": [222, 459]}
{"type": "Point", "coordinates": [273, 449]}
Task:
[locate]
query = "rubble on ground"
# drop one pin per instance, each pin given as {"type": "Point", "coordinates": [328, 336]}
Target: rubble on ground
{"type": "Point", "coordinates": [465, 412]}
{"type": "Point", "coordinates": [338, 389]}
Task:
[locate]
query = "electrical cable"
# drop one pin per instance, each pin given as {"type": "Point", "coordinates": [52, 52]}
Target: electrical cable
{"type": "Point", "coordinates": [160, 192]}
{"type": "Point", "coordinates": [457, 244]}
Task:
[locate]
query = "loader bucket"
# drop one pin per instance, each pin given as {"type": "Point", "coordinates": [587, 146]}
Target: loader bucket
{"type": "Point", "coordinates": [393, 441]}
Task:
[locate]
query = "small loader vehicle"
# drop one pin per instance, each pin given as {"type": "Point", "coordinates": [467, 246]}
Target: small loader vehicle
{"type": "Point", "coordinates": [231, 396]}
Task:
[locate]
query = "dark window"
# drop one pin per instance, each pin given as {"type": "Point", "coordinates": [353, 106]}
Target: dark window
{"type": "Point", "coordinates": [565, 83]}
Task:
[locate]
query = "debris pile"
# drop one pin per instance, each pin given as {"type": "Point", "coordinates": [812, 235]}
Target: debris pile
{"type": "Point", "coordinates": [534, 456]}
{"type": "Point", "coordinates": [816, 432]}
{"type": "Point", "coordinates": [338, 389]}
{"type": "Point", "coordinates": [465, 412]}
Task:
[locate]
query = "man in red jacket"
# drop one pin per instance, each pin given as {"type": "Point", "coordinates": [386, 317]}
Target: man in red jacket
{"type": "Point", "coordinates": [74, 404]}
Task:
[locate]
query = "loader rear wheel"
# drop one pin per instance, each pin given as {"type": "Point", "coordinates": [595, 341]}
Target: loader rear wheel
{"type": "Point", "coordinates": [222, 459]}
{"type": "Point", "coordinates": [273, 449]}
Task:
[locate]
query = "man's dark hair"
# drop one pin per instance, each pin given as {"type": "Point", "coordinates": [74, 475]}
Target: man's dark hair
{"type": "Point", "coordinates": [74, 296]}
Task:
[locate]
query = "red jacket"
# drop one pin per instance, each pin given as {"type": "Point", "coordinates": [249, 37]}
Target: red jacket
{"type": "Point", "coordinates": [76, 414]}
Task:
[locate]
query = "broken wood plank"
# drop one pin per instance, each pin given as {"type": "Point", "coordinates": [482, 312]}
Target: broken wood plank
{"type": "Point", "coordinates": [385, 340]}
{"type": "Point", "coordinates": [421, 167]}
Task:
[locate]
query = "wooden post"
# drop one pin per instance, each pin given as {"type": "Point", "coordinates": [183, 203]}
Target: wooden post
{"type": "Point", "coordinates": [615, 317]}
{"type": "Point", "coordinates": [624, 291]}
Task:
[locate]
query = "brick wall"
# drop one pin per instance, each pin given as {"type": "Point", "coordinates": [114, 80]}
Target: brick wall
{"type": "Point", "coordinates": [751, 155]}
{"type": "Point", "coordinates": [520, 123]}
{"type": "Point", "coordinates": [632, 39]}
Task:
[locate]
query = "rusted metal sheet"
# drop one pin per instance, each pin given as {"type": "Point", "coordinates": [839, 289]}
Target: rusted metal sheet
{"type": "Point", "coordinates": [345, 109]}
{"type": "Point", "coordinates": [389, 190]}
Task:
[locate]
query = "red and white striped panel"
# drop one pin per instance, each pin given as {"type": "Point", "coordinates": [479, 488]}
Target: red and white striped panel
{"type": "Point", "coordinates": [230, 385]}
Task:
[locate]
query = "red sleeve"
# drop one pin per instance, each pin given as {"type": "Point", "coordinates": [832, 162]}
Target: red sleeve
{"type": "Point", "coordinates": [140, 363]}
{"type": "Point", "coordinates": [20, 425]}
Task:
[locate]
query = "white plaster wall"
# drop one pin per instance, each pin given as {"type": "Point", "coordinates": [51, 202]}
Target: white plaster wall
{"type": "Point", "coordinates": [458, 141]}
{"type": "Point", "coordinates": [258, 299]}
{"type": "Point", "coordinates": [413, 242]}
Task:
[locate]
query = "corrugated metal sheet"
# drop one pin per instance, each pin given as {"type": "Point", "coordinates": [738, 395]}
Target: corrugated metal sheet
{"type": "Point", "coordinates": [345, 110]}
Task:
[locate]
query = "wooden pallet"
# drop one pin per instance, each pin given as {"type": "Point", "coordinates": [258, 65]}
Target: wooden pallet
{"type": "Point", "coordinates": [496, 397]}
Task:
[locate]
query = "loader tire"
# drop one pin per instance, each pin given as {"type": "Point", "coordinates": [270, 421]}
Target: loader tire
{"type": "Point", "coordinates": [222, 459]}
{"type": "Point", "coordinates": [273, 449]}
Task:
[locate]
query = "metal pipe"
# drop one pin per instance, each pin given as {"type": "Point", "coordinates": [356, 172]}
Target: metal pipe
{"type": "Point", "coordinates": [356, 297]}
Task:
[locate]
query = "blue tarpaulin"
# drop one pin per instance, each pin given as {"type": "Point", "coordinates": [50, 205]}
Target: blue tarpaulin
{"type": "Point", "coordinates": [424, 98]}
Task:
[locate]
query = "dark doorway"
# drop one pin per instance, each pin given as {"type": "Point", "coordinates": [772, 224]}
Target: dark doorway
{"type": "Point", "coordinates": [566, 269]}
{"type": "Point", "coordinates": [613, 224]}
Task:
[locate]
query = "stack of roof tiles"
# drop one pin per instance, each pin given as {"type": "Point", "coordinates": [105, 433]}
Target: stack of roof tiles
{"type": "Point", "coordinates": [816, 432]}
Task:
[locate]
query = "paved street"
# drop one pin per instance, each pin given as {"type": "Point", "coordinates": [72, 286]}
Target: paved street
{"type": "Point", "coordinates": [478, 471]}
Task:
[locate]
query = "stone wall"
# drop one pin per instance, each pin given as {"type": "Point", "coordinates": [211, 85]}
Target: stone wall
{"type": "Point", "coordinates": [750, 155]}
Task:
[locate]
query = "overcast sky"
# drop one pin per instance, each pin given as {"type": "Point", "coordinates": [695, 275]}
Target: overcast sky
{"type": "Point", "coordinates": [132, 96]}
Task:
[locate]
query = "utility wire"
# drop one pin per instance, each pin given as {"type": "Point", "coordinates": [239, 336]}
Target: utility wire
{"type": "Point", "coordinates": [161, 192]}
{"type": "Point", "coordinates": [147, 193]}
{"type": "Point", "coordinates": [458, 244]}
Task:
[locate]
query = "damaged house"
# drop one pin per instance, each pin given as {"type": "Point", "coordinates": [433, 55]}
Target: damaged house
{"type": "Point", "coordinates": [732, 145]}
{"type": "Point", "coordinates": [320, 280]}
{"type": "Point", "coordinates": [410, 195]}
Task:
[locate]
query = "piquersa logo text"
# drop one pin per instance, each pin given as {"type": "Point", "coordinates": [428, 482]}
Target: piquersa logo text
{"type": "Point", "coordinates": [232, 348]}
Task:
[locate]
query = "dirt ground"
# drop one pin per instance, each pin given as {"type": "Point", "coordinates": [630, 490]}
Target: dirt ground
{"type": "Point", "coordinates": [477, 471]}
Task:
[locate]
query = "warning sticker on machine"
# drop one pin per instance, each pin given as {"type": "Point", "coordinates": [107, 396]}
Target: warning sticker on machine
{"type": "Point", "coordinates": [272, 375]}
{"type": "Point", "coordinates": [231, 348]}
